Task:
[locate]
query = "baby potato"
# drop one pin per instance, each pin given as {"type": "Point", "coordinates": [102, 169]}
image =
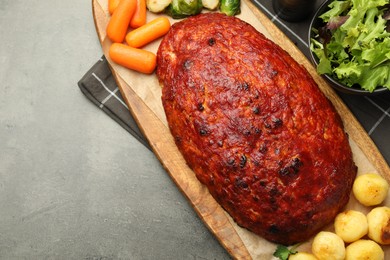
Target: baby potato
{"type": "Point", "coordinates": [302, 256]}
{"type": "Point", "coordinates": [379, 225]}
{"type": "Point", "coordinates": [327, 245]}
{"type": "Point", "coordinates": [364, 250]}
{"type": "Point", "coordinates": [370, 189]}
{"type": "Point", "coordinates": [351, 225]}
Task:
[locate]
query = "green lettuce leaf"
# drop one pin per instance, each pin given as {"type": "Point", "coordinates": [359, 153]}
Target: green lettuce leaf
{"type": "Point", "coordinates": [337, 8]}
{"type": "Point", "coordinates": [379, 54]}
{"type": "Point", "coordinates": [371, 78]}
{"type": "Point", "coordinates": [358, 52]}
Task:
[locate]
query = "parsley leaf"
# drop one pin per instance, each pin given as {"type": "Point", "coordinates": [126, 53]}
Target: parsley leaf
{"type": "Point", "coordinates": [283, 252]}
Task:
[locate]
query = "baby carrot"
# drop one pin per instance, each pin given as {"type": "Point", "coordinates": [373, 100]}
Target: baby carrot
{"type": "Point", "coordinates": [139, 17]}
{"type": "Point", "coordinates": [120, 19]}
{"type": "Point", "coordinates": [112, 5]}
{"type": "Point", "coordinates": [132, 58]}
{"type": "Point", "coordinates": [148, 32]}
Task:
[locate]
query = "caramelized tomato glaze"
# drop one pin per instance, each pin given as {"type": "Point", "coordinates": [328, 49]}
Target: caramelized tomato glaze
{"type": "Point", "coordinates": [254, 127]}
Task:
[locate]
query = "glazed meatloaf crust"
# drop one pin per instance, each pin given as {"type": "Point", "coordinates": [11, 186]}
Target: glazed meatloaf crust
{"type": "Point", "coordinates": [254, 127]}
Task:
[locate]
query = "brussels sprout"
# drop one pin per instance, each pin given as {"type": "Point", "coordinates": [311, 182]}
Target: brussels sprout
{"type": "Point", "coordinates": [210, 4]}
{"type": "Point", "coordinates": [230, 7]}
{"type": "Point", "coordinates": [157, 6]}
{"type": "Point", "coordinates": [183, 8]}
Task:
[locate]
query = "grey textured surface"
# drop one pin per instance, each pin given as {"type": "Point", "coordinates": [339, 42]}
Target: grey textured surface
{"type": "Point", "coordinates": [73, 183]}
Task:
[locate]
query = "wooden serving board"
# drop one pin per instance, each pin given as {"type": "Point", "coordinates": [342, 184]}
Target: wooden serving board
{"type": "Point", "coordinates": [142, 94]}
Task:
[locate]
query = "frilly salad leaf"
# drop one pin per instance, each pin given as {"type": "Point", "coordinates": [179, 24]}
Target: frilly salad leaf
{"type": "Point", "coordinates": [353, 46]}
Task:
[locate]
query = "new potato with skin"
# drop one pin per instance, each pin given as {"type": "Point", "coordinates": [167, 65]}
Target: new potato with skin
{"type": "Point", "coordinates": [379, 225]}
{"type": "Point", "coordinates": [351, 225]}
{"type": "Point", "coordinates": [370, 189]}
{"type": "Point", "coordinates": [364, 250]}
{"type": "Point", "coordinates": [327, 245]}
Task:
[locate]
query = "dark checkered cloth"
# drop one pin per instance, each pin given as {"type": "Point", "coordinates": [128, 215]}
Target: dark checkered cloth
{"type": "Point", "coordinates": [373, 112]}
{"type": "Point", "coordinates": [99, 85]}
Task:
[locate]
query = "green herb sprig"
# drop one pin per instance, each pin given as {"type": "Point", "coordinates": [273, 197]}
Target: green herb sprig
{"type": "Point", "coordinates": [283, 252]}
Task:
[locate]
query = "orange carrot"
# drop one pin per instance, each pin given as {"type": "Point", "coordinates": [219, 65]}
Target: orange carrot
{"type": "Point", "coordinates": [120, 19]}
{"type": "Point", "coordinates": [132, 58]}
{"type": "Point", "coordinates": [139, 17]}
{"type": "Point", "coordinates": [112, 5]}
{"type": "Point", "coordinates": [148, 32]}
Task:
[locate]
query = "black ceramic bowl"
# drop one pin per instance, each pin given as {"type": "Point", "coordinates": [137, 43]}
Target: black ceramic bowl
{"type": "Point", "coordinates": [317, 23]}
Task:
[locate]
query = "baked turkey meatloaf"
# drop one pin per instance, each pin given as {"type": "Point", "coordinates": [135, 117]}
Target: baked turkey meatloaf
{"type": "Point", "coordinates": [254, 127]}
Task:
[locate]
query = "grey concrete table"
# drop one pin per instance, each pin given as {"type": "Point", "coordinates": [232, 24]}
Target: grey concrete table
{"type": "Point", "coordinates": [73, 183]}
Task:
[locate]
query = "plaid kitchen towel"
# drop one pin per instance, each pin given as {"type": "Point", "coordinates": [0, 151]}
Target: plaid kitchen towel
{"type": "Point", "coordinates": [99, 86]}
